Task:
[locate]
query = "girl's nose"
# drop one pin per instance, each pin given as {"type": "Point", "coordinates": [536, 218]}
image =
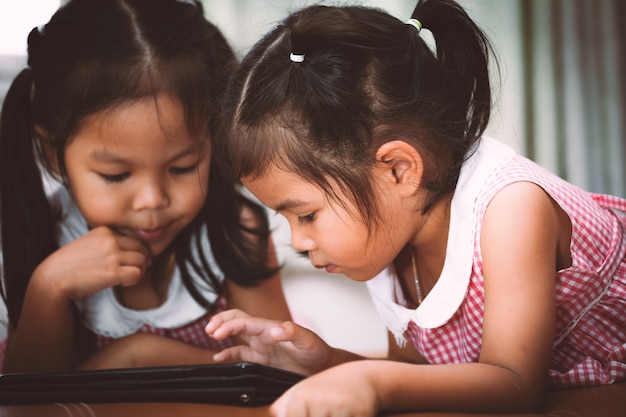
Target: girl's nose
{"type": "Point", "coordinates": [152, 195]}
{"type": "Point", "coordinates": [301, 242]}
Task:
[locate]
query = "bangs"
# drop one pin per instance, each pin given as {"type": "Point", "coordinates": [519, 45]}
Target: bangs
{"type": "Point", "coordinates": [289, 145]}
{"type": "Point", "coordinates": [255, 149]}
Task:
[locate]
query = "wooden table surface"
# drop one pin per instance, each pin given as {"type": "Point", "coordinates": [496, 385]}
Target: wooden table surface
{"type": "Point", "coordinates": [606, 401]}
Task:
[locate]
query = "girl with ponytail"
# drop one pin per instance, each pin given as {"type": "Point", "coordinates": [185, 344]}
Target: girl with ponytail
{"type": "Point", "coordinates": [495, 278]}
{"type": "Point", "coordinates": [120, 235]}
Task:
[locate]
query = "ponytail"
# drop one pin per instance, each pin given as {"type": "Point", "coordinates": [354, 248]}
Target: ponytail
{"type": "Point", "coordinates": [326, 88]}
{"type": "Point", "coordinates": [26, 217]}
{"type": "Point", "coordinates": [463, 53]}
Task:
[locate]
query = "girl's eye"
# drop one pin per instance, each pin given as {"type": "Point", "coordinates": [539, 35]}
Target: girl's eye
{"type": "Point", "coordinates": [114, 178]}
{"type": "Point", "coordinates": [302, 220]}
{"type": "Point", "coordinates": [183, 170]}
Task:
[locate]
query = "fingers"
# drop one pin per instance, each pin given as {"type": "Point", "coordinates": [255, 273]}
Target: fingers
{"type": "Point", "coordinates": [219, 319]}
{"type": "Point", "coordinates": [246, 327]}
{"type": "Point", "coordinates": [132, 256]}
{"type": "Point", "coordinates": [133, 245]}
{"type": "Point", "coordinates": [132, 266]}
{"type": "Point", "coordinates": [279, 407]}
{"type": "Point", "coordinates": [130, 244]}
{"type": "Point", "coordinates": [104, 258]}
{"type": "Point", "coordinates": [286, 331]}
{"type": "Point", "coordinates": [128, 276]}
{"type": "Point", "coordinates": [237, 323]}
{"type": "Point", "coordinates": [234, 354]}
{"type": "Point", "coordinates": [301, 338]}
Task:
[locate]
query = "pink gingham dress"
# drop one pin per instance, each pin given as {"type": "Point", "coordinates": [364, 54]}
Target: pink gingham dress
{"type": "Point", "coordinates": [590, 340]}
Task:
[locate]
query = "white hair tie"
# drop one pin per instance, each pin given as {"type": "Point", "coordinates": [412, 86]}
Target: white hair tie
{"type": "Point", "coordinates": [296, 57]}
{"type": "Point", "coordinates": [415, 23]}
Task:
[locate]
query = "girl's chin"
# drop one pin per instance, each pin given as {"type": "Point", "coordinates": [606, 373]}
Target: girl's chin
{"type": "Point", "coordinates": [159, 249]}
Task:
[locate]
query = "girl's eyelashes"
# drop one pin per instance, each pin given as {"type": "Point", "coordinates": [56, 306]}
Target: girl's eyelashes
{"type": "Point", "coordinates": [184, 170]}
{"type": "Point", "coordinates": [121, 177]}
{"type": "Point", "coordinates": [114, 178]}
{"type": "Point", "coordinates": [302, 220]}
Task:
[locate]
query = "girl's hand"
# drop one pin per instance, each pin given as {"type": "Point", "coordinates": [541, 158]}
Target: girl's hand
{"type": "Point", "coordinates": [100, 259]}
{"type": "Point", "coordinates": [344, 390]}
{"type": "Point", "coordinates": [284, 345]}
{"type": "Point", "coordinates": [44, 338]}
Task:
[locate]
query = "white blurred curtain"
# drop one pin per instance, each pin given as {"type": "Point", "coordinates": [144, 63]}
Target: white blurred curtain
{"type": "Point", "coordinates": [574, 88]}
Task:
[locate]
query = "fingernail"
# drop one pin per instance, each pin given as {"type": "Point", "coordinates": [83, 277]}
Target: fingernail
{"type": "Point", "coordinates": [277, 332]}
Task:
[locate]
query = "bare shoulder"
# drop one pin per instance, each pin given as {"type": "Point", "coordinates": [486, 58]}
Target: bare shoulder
{"type": "Point", "coordinates": [522, 195]}
{"type": "Point", "coordinates": [521, 205]}
{"type": "Point", "coordinates": [524, 210]}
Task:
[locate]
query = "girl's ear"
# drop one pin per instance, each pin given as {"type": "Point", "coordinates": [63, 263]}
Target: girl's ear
{"type": "Point", "coordinates": [401, 165]}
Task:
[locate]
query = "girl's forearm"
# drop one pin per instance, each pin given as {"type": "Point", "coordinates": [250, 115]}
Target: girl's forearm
{"type": "Point", "coordinates": [473, 387]}
{"type": "Point", "coordinates": [145, 350]}
{"type": "Point", "coordinates": [340, 356]}
{"type": "Point", "coordinates": [43, 340]}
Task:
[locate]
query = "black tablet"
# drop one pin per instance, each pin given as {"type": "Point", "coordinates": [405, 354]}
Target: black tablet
{"type": "Point", "coordinates": [240, 383]}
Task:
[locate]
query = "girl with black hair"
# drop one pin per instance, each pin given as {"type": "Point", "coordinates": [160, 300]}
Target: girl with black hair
{"type": "Point", "coordinates": [495, 278]}
{"type": "Point", "coordinates": [120, 235]}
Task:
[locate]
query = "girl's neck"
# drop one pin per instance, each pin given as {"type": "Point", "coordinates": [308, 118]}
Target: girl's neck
{"type": "Point", "coordinates": [428, 248]}
{"type": "Point", "coordinates": [431, 240]}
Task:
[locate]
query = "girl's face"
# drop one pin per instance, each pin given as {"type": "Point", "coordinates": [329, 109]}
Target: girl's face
{"type": "Point", "coordinates": [334, 237]}
{"type": "Point", "coordinates": [136, 169]}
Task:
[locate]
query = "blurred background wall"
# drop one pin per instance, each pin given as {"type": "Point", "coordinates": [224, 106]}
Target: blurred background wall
{"type": "Point", "coordinates": [561, 101]}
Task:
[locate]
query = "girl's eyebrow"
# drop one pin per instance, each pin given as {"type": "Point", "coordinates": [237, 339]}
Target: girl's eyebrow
{"type": "Point", "coordinates": [105, 155]}
{"type": "Point", "coordinates": [290, 204]}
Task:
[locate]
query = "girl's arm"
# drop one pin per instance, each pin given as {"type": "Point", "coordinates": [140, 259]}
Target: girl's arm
{"type": "Point", "coordinates": [44, 338]}
{"type": "Point", "coordinates": [145, 350]}
{"type": "Point", "coordinates": [524, 232]}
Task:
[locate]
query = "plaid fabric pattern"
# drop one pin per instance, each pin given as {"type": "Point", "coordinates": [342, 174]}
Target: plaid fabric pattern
{"type": "Point", "coordinates": [192, 333]}
{"type": "Point", "coordinates": [590, 342]}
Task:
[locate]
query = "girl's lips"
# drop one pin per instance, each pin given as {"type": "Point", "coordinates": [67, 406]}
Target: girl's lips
{"type": "Point", "coordinates": [328, 268]}
{"type": "Point", "coordinates": [151, 235]}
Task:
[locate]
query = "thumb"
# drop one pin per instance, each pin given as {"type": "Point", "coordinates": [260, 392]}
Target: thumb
{"type": "Point", "coordinates": [285, 332]}
{"type": "Point", "coordinates": [299, 336]}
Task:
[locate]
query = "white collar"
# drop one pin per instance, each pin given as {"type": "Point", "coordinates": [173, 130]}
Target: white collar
{"type": "Point", "coordinates": [103, 314]}
{"type": "Point", "coordinates": [449, 292]}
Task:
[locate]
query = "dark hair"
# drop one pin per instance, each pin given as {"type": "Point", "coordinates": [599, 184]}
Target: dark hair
{"type": "Point", "coordinates": [366, 78]}
{"type": "Point", "coordinates": [92, 56]}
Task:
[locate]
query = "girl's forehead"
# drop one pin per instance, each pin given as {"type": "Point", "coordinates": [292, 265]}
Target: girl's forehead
{"type": "Point", "coordinates": [138, 128]}
{"type": "Point", "coordinates": [278, 188]}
